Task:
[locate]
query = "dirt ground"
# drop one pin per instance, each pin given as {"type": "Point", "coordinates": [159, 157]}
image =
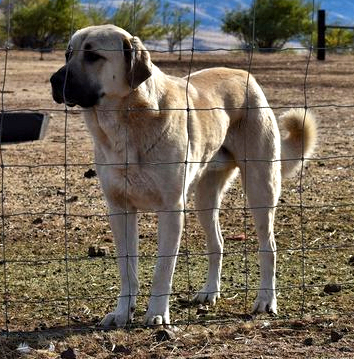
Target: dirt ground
{"type": "Point", "coordinates": [52, 214]}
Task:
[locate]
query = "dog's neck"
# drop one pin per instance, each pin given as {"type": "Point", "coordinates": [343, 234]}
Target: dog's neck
{"type": "Point", "coordinates": [146, 96]}
{"type": "Point", "coordinates": [139, 112]}
{"type": "Point", "coordinates": [149, 93]}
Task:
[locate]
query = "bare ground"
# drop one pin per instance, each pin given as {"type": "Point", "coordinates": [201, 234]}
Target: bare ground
{"type": "Point", "coordinates": [45, 254]}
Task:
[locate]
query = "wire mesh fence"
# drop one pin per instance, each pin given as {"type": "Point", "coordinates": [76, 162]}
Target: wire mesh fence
{"type": "Point", "coordinates": [58, 256]}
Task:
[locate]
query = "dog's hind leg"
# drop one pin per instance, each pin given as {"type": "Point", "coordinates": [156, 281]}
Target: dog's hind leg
{"type": "Point", "coordinates": [262, 189]}
{"type": "Point", "coordinates": [261, 179]}
{"type": "Point", "coordinates": [208, 196]}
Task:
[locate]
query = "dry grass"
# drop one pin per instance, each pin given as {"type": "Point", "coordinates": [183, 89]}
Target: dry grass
{"type": "Point", "coordinates": [310, 338]}
{"type": "Point", "coordinates": [315, 243]}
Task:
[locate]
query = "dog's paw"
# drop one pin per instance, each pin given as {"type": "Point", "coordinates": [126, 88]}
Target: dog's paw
{"type": "Point", "coordinates": [265, 303]}
{"type": "Point", "coordinates": [116, 319]}
{"type": "Point", "coordinates": [154, 319]}
{"type": "Point", "coordinates": [108, 321]}
{"type": "Point", "coordinates": [205, 296]}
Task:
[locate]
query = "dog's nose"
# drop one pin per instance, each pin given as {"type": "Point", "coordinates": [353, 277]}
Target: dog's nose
{"type": "Point", "coordinates": [60, 74]}
{"type": "Point", "coordinates": [57, 82]}
{"type": "Point", "coordinates": [53, 80]}
{"type": "Point", "coordinates": [57, 78]}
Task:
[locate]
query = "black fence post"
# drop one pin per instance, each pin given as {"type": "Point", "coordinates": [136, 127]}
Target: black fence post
{"type": "Point", "coordinates": [321, 35]}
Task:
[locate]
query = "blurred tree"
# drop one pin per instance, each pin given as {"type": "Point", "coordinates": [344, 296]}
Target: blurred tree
{"type": "Point", "coordinates": [176, 24]}
{"type": "Point", "coordinates": [96, 15]}
{"type": "Point", "coordinates": [274, 21]}
{"type": "Point", "coordinates": [41, 24]}
{"type": "Point", "coordinates": [6, 10]}
{"type": "Point", "coordinates": [140, 18]}
{"type": "Point", "coordinates": [337, 40]}
{"type": "Point", "coordinates": [3, 28]}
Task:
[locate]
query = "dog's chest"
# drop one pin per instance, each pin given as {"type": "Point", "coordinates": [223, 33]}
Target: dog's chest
{"type": "Point", "coordinates": [121, 174]}
{"type": "Point", "coordinates": [125, 183]}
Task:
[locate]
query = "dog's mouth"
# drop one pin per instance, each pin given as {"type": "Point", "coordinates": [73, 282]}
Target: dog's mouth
{"type": "Point", "coordinates": [58, 97]}
{"type": "Point", "coordinates": [76, 92]}
{"type": "Point", "coordinates": [86, 100]}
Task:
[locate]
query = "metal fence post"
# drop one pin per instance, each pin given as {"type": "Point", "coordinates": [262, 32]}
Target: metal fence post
{"type": "Point", "coordinates": [321, 35]}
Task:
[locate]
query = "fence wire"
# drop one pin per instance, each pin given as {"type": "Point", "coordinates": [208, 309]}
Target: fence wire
{"type": "Point", "coordinates": [73, 303]}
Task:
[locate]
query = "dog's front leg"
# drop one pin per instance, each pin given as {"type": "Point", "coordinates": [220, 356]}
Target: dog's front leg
{"type": "Point", "coordinates": [170, 231]}
{"type": "Point", "coordinates": [125, 230]}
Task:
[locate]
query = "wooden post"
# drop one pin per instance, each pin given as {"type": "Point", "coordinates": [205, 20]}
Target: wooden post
{"type": "Point", "coordinates": [321, 35]}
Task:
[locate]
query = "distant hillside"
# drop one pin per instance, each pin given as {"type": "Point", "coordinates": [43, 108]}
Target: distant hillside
{"type": "Point", "coordinates": [210, 13]}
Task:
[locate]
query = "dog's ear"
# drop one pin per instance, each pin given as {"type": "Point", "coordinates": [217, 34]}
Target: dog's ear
{"type": "Point", "coordinates": [138, 62]}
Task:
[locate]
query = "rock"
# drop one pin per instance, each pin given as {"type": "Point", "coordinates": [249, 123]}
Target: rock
{"type": "Point", "coordinates": [68, 354]}
{"type": "Point", "coordinates": [90, 173]}
{"type": "Point", "coordinates": [332, 288]}
{"type": "Point", "coordinates": [72, 199]}
{"type": "Point", "coordinates": [237, 237]}
{"type": "Point", "coordinates": [297, 324]}
{"type": "Point", "coordinates": [37, 221]}
{"type": "Point", "coordinates": [163, 335]}
{"type": "Point", "coordinates": [92, 251]}
{"type": "Point", "coordinates": [202, 310]}
{"type": "Point", "coordinates": [95, 251]}
{"type": "Point", "coordinates": [351, 261]}
{"type": "Point", "coordinates": [121, 349]}
{"type": "Point", "coordinates": [102, 251]}
{"type": "Point", "coordinates": [308, 341]}
{"type": "Point", "coordinates": [336, 336]}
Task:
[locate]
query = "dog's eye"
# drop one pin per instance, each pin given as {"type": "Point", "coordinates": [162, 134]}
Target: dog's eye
{"type": "Point", "coordinates": [91, 56]}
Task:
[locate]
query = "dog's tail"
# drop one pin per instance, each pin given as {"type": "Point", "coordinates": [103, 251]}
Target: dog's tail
{"type": "Point", "coordinates": [300, 140]}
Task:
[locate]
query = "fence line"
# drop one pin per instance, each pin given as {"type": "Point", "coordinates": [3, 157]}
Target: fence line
{"type": "Point", "coordinates": [321, 33]}
{"type": "Point", "coordinates": [5, 289]}
{"type": "Point", "coordinates": [246, 249]}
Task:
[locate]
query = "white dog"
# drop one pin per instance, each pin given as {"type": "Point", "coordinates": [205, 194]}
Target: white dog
{"type": "Point", "coordinates": [158, 138]}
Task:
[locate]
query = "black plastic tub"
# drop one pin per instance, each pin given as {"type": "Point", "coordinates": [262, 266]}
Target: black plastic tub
{"type": "Point", "coordinates": [22, 126]}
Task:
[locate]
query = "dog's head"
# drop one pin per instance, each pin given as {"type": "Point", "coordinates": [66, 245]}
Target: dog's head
{"type": "Point", "coordinates": [101, 61]}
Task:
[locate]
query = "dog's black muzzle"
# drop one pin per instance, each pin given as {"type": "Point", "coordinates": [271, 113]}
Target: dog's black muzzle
{"type": "Point", "coordinates": [69, 89]}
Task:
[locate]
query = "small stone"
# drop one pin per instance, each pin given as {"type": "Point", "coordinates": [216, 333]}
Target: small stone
{"type": "Point", "coordinates": [92, 251]}
{"type": "Point", "coordinates": [332, 288]}
{"type": "Point", "coordinates": [68, 354]}
{"type": "Point", "coordinates": [351, 261]}
{"type": "Point", "coordinates": [336, 336]}
{"type": "Point", "coordinates": [238, 237]}
{"type": "Point", "coordinates": [95, 251]}
{"type": "Point", "coordinates": [308, 341]}
{"type": "Point", "coordinates": [37, 221]}
{"type": "Point", "coordinates": [163, 335]}
{"type": "Point", "coordinates": [102, 251]}
{"type": "Point", "coordinates": [72, 199]}
{"type": "Point", "coordinates": [297, 324]}
{"type": "Point", "coordinates": [202, 310]}
{"type": "Point", "coordinates": [121, 349]}
{"type": "Point", "coordinates": [90, 173]}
